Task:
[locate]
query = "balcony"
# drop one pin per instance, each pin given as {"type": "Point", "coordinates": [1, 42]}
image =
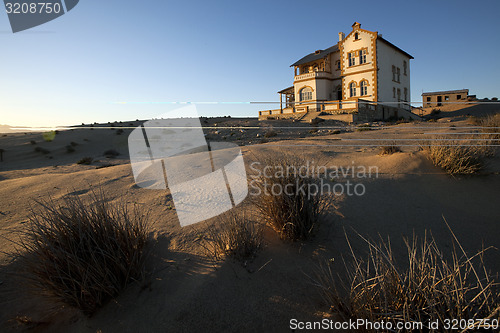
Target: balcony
{"type": "Point", "coordinates": [312, 75]}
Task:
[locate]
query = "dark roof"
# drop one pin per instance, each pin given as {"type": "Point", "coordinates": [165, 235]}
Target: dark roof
{"type": "Point", "coordinates": [466, 91]}
{"type": "Point", "coordinates": [323, 53]}
{"type": "Point", "coordinates": [315, 56]}
{"type": "Point", "coordinates": [394, 46]}
{"type": "Point", "coordinates": [286, 90]}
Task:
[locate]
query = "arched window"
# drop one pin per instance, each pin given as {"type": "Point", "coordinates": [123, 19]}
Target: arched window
{"type": "Point", "coordinates": [363, 87]}
{"type": "Point", "coordinates": [356, 36]}
{"type": "Point", "coordinates": [305, 94]}
{"type": "Point", "coordinates": [352, 89]}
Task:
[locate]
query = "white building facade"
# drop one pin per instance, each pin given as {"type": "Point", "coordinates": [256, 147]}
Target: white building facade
{"type": "Point", "coordinates": [362, 77]}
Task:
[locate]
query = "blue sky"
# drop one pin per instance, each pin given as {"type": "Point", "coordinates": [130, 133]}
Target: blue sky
{"type": "Point", "coordinates": [72, 69]}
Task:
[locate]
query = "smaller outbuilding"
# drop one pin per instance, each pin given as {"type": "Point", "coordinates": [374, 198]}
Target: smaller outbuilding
{"type": "Point", "coordinates": [440, 98]}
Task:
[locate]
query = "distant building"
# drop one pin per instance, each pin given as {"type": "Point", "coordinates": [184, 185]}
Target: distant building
{"type": "Point", "coordinates": [439, 98]}
{"type": "Point", "coordinates": [362, 77]}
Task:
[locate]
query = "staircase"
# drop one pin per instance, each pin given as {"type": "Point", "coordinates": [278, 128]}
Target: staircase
{"type": "Point", "coordinates": [310, 115]}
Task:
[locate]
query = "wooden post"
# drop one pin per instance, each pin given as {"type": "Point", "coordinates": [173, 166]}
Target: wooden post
{"type": "Point", "coordinates": [281, 102]}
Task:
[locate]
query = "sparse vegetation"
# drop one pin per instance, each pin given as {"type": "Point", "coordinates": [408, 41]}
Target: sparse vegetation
{"type": "Point", "coordinates": [81, 253]}
{"type": "Point", "coordinates": [389, 150]}
{"type": "Point", "coordinates": [111, 153]}
{"type": "Point", "coordinates": [234, 236]}
{"type": "Point", "coordinates": [426, 288]}
{"type": "Point", "coordinates": [316, 121]}
{"type": "Point", "coordinates": [364, 127]}
{"type": "Point", "coordinates": [49, 136]}
{"type": "Point", "coordinates": [270, 134]}
{"type": "Point", "coordinates": [457, 156]}
{"type": "Point", "coordinates": [491, 124]}
{"type": "Point", "coordinates": [85, 160]}
{"type": "Point", "coordinates": [288, 203]}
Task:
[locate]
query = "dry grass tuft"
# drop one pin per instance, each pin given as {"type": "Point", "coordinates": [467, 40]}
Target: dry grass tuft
{"type": "Point", "coordinates": [389, 150]}
{"type": "Point", "coordinates": [491, 124]}
{"type": "Point", "coordinates": [458, 156]}
{"type": "Point", "coordinates": [428, 288]}
{"type": "Point", "coordinates": [85, 160]}
{"type": "Point", "coordinates": [81, 253]}
{"type": "Point", "coordinates": [234, 236]}
{"type": "Point", "coordinates": [289, 203]}
{"type": "Point", "coordinates": [270, 133]}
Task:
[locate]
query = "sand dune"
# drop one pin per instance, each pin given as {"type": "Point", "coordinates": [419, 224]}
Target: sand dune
{"type": "Point", "coordinates": [187, 292]}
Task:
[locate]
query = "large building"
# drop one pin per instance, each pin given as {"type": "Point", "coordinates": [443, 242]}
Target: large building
{"type": "Point", "coordinates": [362, 77]}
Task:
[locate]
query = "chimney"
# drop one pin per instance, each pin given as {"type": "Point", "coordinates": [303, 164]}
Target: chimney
{"type": "Point", "coordinates": [341, 36]}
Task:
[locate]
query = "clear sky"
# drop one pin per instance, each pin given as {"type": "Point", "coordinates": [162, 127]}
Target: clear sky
{"type": "Point", "coordinates": [72, 69]}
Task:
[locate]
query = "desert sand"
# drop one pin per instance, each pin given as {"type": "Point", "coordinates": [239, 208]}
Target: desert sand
{"type": "Point", "coordinates": [187, 291]}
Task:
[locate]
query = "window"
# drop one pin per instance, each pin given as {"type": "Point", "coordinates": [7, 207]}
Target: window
{"type": "Point", "coordinates": [394, 92]}
{"type": "Point", "coordinates": [406, 95]}
{"type": "Point", "coordinates": [315, 68]}
{"type": "Point", "coordinates": [351, 59]}
{"type": "Point", "coordinates": [399, 74]}
{"type": "Point", "coordinates": [428, 99]}
{"type": "Point", "coordinates": [459, 96]}
{"type": "Point", "coordinates": [399, 95]}
{"type": "Point", "coordinates": [405, 65]}
{"type": "Point", "coordinates": [363, 87]}
{"type": "Point", "coordinates": [352, 89]}
{"type": "Point", "coordinates": [393, 73]}
{"type": "Point", "coordinates": [337, 63]}
{"type": "Point", "coordinates": [362, 57]}
{"type": "Point", "coordinates": [305, 94]}
{"type": "Point", "coordinates": [446, 98]}
{"type": "Point", "coordinates": [356, 36]}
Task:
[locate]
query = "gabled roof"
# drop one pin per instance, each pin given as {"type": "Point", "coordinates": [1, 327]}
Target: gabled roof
{"type": "Point", "coordinates": [323, 53]}
{"type": "Point", "coordinates": [446, 92]}
{"type": "Point", "coordinates": [394, 46]}
{"type": "Point", "coordinates": [315, 56]}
